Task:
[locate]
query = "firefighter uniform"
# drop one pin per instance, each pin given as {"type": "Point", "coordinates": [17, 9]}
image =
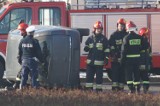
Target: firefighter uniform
{"type": "Point", "coordinates": [145, 61]}
{"type": "Point", "coordinates": [98, 48]}
{"type": "Point", "coordinates": [118, 75]}
{"type": "Point", "coordinates": [132, 45]}
{"type": "Point", "coordinates": [29, 49]}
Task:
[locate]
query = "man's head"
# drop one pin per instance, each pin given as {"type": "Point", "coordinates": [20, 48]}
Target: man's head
{"type": "Point", "coordinates": [22, 27]}
{"type": "Point", "coordinates": [130, 26]}
{"type": "Point", "coordinates": [144, 32]}
{"type": "Point", "coordinates": [121, 24]}
{"type": "Point", "coordinates": [98, 27]}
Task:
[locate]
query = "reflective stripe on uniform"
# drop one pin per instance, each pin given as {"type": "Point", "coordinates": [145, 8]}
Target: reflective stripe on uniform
{"type": "Point", "coordinates": [145, 82]}
{"type": "Point", "coordinates": [142, 67]}
{"type": "Point", "coordinates": [91, 45]}
{"type": "Point", "coordinates": [107, 57]}
{"type": "Point", "coordinates": [96, 62]}
{"type": "Point", "coordinates": [142, 51]}
{"type": "Point", "coordinates": [121, 85]}
{"type": "Point", "coordinates": [107, 50]}
{"type": "Point", "coordinates": [98, 86]}
{"type": "Point", "coordinates": [89, 85]}
{"type": "Point", "coordinates": [112, 47]}
{"type": "Point", "coordinates": [133, 55]}
{"type": "Point", "coordinates": [129, 82]}
{"type": "Point", "coordinates": [18, 79]}
{"type": "Point", "coordinates": [114, 84]}
{"type": "Point", "coordinates": [88, 61]}
{"type": "Point", "coordinates": [136, 83]}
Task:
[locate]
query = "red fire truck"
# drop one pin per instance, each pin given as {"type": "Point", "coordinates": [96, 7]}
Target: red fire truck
{"type": "Point", "coordinates": [55, 13]}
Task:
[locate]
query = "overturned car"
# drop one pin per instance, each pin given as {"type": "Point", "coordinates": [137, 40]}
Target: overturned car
{"type": "Point", "coordinates": [61, 50]}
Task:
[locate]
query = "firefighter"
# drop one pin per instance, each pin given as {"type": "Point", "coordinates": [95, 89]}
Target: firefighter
{"type": "Point", "coordinates": [29, 52]}
{"type": "Point", "coordinates": [145, 63]}
{"type": "Point", "coordinates": [131, 47]}
{"type": "Point", "coordinates": [22, 27]}
{"type": "Point", "coordinates": [116, 39]}
{"type": "Point", "coordinates": [98, 47]}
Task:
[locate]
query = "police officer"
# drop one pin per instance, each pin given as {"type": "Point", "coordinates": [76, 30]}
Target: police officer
{"type": "Point", "coordinates": [145, 61]}
{"type": "Point", "coordinates": [116, 39]}
{"type": "Point", "coordinates": [131, 47]}
{"type": "Point", "coordinates": [29, 49]}
{"type": "Point", "coordinates": [98, 48]}
{"type": "Point", "coordinates": [22, 27]}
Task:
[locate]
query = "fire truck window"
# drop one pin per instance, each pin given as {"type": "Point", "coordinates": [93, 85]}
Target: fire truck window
{"type": "Point", "coordinates": [50, 16]}
{"type": "Point", "coordinates": [12, 19]}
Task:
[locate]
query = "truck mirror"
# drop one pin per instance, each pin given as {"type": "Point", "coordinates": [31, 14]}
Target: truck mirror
{"type": "Point", "coordinates": [83, 32]}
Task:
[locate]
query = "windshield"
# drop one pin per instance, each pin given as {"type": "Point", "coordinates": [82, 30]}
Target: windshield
{"type": "Point", "coordinates": [2, 10]}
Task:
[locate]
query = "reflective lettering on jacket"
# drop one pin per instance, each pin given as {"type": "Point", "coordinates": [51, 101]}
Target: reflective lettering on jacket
{"type": "Point", "coordinates": [118, 42]}
{"type": "Point", "coordinates": [28, 45]}
{"type": "Point", "coordinates": [99, 46]}
{"type": "Point", "coordinates": [135, 42]}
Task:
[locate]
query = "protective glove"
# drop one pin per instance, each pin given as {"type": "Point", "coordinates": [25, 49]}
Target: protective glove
{"type": "Point", "coordinates": [86, 48]}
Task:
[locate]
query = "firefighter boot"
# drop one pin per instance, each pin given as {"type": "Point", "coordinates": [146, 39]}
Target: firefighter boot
{"type": "Point", "coordinates": [138, 87]}
{"type": "Point", "coordinates": [121, 87]}
{"type": "Point", "coordinates": [115, 86]}
{"type": "Point", "coordinates": [131, 88]}
{"type": "Point", "coordinates": [16, 85]}
{"type": "Point", "coordinates": [145, 88]}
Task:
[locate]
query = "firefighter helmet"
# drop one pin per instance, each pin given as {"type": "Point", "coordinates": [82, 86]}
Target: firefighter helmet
{"type": "Point", "coordinates": [144, 31]}
{"type": "Point", "coordinates": [121, 21]}
{"type": "Point", "coordinates": [130, 26]}
{"type": "Point", "coordinates": [98, 25]}
{"type": "Point", "coordinates": [22, 27]}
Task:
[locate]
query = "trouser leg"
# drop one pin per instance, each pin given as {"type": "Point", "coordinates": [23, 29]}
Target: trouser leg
{"type": "Point", "coordinates": [90, 77]}
{"type": "Point", "coordinates": [129, 78]}
{"type": "Point", "coordinates": [136, 76]}
{"type": "Point", "coordinates": [24, 74]}
{"type": "Point", "coordinates": [145, 80]}
{"type": "Point", "coordinates": [115, 75]}
{"type": "Point", "coordinates": [99, 78]}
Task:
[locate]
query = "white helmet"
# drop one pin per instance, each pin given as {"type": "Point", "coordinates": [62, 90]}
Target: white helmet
{"type": "Point", "coordinates": [30, 29]}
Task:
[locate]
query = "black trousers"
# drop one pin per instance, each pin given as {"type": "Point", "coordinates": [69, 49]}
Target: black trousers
{"type": "Point", "coordinates": [118, 74]}
{"type": "Point", "coordinates": [132, 71]}
{"type": "Point", "coordinates": [91, 71]}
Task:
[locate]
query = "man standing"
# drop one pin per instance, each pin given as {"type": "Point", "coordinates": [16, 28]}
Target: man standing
{"type": "Point", "coordinates": [131, 47]}
{"type": "Point", "coordinates": [29, 49]}
{"type": "Point", "coordinates": [145, 61]}
{"type": "Point", "coordinates": [98, 48]}
{"type": "Point", "coordinates": [116, 39]}
{"type": "Point", "coordinates": [22, 27]}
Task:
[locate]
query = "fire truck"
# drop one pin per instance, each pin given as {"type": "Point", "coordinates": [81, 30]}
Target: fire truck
{"type": "Point", "coordinates": [62, 14]}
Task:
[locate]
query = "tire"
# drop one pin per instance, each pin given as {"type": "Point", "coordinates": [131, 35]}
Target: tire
{"type": "Point", "coordinates": [1, 70]}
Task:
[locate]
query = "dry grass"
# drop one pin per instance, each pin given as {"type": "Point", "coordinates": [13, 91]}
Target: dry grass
{"type": "Point", "coordinates": [65, 97]}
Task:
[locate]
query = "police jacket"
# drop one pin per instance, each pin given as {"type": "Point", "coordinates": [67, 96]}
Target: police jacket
{"type": "Point", "coordinates": [115, 42]}
{"type": "Point", "coordinates": [29, 48]}
{"type": "Point", "coordinates": [146, 59]}
{"type": "Point", "coordinates": [98, 48]}
{"type": "Point", "coordinates": [131, 47]}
